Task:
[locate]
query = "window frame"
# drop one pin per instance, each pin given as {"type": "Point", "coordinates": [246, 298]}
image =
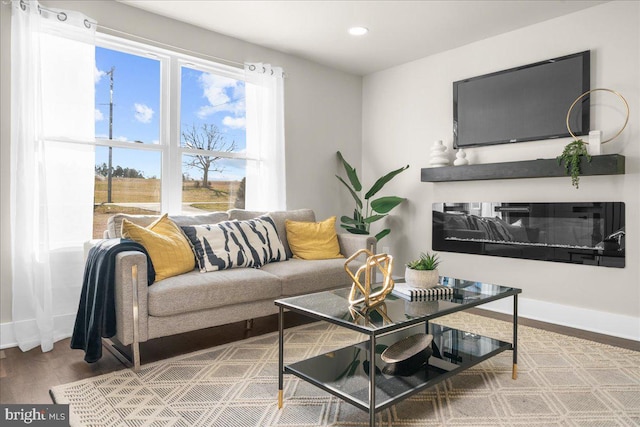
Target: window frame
{"type": "Point", "coordinates": [169, 145]}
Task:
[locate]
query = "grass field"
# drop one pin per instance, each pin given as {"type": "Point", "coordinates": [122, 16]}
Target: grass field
{"type": "Point", "coordinates": [142, 196]}
{"type": "Point", "coordinates": [128, 190]}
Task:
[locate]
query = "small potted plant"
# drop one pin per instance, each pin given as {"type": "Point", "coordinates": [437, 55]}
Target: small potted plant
{"type": "Point", "coordinates": [423, 272]}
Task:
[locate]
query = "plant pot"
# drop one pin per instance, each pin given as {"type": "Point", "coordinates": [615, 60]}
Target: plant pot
{"type": "Point", "coordinates": [424, 279]}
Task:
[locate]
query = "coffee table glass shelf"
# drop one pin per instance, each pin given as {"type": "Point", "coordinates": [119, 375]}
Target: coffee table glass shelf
{"type": "Point", "coordinates": [345, 372]}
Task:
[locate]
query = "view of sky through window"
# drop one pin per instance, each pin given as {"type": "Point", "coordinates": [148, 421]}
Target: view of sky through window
{"type": "Point", "coordinates": [136, 96]}
{"type": "Point", "coordinates": [206, 99]}
{"type": "Point", "coordinates": [213, 107]}
{"type": "Point", "coordinates": [210, 140]}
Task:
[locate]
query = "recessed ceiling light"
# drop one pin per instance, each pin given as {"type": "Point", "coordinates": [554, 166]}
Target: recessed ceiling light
{"type": "Point", "coordinates": [358, 31]}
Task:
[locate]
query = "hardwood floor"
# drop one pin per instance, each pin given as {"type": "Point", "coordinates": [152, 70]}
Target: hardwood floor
{"type": "Point", "coordinates": [27, 377]}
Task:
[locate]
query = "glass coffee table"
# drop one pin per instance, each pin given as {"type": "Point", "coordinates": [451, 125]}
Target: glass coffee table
{"type": "Point", "coordinates": [346, 372]}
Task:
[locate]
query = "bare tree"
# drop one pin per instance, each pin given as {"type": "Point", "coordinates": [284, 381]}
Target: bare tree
{"type": "Point", "coordinates": [207, 137]}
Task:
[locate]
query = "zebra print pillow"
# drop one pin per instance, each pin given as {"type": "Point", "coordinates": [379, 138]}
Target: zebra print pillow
{"type": "Point", "coordinates": [233, 244]}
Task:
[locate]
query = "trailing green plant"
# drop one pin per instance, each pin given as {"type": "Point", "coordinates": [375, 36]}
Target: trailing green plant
{"type": "Point", "coordinates": [425, 262]}
{"type": "Point", "coordinates": [370, 210]}
{"type": "Point", "coordinates": [571, 156]}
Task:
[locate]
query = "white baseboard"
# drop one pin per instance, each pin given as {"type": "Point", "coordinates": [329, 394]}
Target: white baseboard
{"type": "Point", "coordinates": [7, 339]}
{"type": "Point", "coordinates": [617, 325]}
{"type": "Point", "coordinates": [63, 328]}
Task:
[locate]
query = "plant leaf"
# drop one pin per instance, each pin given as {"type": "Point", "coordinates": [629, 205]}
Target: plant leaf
{"type": "Point", "coordinates": [353, 193]}
{"type": "Point", "coordinates": [347, 220]}
{"type": "Point", "coordinates": [383, 233]}
{"type": "Point", "coordinates": [384, 204]}
{"type": "Point", "coordinates": [373, 218]}
{"type": "Point", "coordinates": [351, 173]}
{"type": "Point", "coordinates": [382, 181]}
{"type": "Point", "coordinates": [351, 368]}
{"type": "Point", "coordinates": [571, 156]}
{"type": "Point", "coordinates": [354, 230]}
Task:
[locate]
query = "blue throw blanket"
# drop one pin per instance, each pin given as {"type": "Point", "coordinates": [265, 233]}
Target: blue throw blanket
{"type": "Point", "coordinates": [96, 316]}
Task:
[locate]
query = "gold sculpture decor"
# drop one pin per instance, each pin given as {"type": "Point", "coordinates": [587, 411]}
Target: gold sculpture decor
{"type": "Point", "coordinates": [361, 291]}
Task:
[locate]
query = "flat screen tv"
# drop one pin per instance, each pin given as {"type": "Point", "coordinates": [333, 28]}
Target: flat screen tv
{"type": "Point", "coordinates": [522, 104]}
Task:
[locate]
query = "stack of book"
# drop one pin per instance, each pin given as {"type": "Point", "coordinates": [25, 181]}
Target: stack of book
{"type": "Point", "coordinates": [410, 293]}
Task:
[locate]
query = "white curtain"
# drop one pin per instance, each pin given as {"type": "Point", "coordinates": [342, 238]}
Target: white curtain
{"type": "Point", "coordinates": [52, 172]}
{"type": "Point", "coordinates": [266, 178]}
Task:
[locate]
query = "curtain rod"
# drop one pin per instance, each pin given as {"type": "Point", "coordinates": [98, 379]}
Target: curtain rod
{"type": "Point", "coordinates": [23, 5]}
{"type": "Point", "coordinates": [60, 14]}
{"type": "Point", "coordinates": [166, 45]}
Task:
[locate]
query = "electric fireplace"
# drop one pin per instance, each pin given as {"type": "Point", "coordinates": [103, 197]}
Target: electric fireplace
{"type": "Point", "coordinates": [581, 233]}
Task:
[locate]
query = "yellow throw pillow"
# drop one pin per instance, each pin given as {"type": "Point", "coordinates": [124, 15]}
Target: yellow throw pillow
{"type": "Point", "coordinates": [168, 247]}
{"type": "Point", "coordinates": [313, 240]}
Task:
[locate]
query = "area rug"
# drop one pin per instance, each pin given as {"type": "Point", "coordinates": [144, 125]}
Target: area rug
{"type": "Point", "coordinates": [562, 381]}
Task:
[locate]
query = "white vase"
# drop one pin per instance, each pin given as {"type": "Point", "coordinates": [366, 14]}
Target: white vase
{"type": "Point", "coordinates": [439, 155]}
{"type": "Point", "coordinates": [424, 279]}
{"type": "Point", "coordinates": [461, 158]}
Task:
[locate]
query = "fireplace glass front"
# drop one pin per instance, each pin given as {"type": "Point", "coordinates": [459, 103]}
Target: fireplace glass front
{"type": "Point", "coordinates": [582, 233]}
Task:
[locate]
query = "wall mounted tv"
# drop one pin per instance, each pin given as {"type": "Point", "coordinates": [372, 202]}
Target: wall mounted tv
{"type": "Point", "coordinates": [522, 104]}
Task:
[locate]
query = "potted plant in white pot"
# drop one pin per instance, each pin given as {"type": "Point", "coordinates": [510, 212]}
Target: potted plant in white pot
{"type": "Point", "coordinates": [423, 272]}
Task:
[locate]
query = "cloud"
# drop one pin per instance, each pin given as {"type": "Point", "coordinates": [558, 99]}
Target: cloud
{"type": "Point", "coordinates": [98, 116]}
{"type": "Point", "coordinates": [217, 90]}
{"type": "Point", "coordinates": [144, 113]}
{"type": "Point", "coordinates": [234, 122]}
{"type": "Point", "coordinates": [122, 138]}
{"type": "Point", "coordinates": [97, 74]}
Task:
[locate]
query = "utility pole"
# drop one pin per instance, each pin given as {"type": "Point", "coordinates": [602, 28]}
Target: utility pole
{"type": "Point", "coordinates": [110, 169]}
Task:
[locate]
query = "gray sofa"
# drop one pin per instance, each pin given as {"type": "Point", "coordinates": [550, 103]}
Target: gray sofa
{"type": "Point", "coordinates": [198, 300]}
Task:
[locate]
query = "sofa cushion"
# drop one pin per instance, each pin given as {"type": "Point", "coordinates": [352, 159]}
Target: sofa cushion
{"type": "Point", "coordinates": [233, 244]}
{"type": "Point", "coordinates": [168, 248]}
{"type": "Point", "coordinates": [279, 218]}
{"type": "Point", "coordinates": [114, 223]}
{"type": "Point", "coordinates": [194, 291]}
{"type": "Point", "coordinates": [305, 276]}
{"type": "Point", "coordinates": [313, 240]}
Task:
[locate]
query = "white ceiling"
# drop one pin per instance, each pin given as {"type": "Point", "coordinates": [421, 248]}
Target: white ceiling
{"type": "Point", "coordinates": [400, 31]}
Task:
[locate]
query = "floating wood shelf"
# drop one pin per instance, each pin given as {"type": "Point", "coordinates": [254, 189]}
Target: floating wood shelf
{"type": "Point", "coordinates": [610, 164]}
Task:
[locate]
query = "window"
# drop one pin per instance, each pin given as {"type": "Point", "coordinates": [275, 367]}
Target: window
{"type": "Point", "coordinates": [170, 133]}
{"type": "Point", "coordinates": [213, 140]}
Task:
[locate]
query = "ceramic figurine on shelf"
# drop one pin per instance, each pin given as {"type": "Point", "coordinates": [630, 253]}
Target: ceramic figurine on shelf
{"type": "Point", "coordinates": [461, 158]}
{"type": "Point", "coordinates": [439, 155]}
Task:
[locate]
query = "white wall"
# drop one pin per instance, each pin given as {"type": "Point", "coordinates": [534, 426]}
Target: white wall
{"type": "Point", "coordinates": [322, 110]}
{"type": "Point", "coordinates": [406, 108]}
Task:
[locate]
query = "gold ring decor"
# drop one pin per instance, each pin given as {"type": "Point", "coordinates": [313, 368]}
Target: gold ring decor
{"type": "Point", "coordinates": [587, 93]}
